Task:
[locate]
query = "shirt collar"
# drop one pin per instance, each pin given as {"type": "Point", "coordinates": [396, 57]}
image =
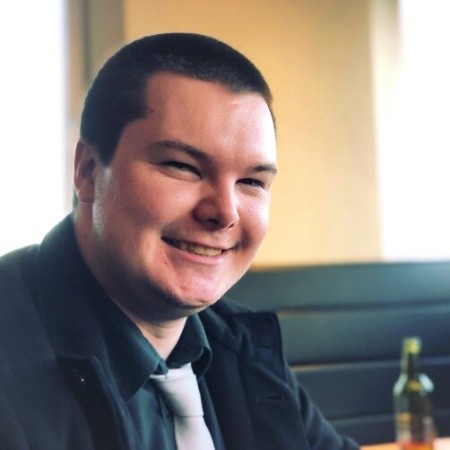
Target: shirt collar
{"type": "Point", "coordinates": [193, 346]}
{"type": "Point", "coordinates": [133, 359]}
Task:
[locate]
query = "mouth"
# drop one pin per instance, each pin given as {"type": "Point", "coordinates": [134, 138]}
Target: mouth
{"type": "Point", "coordinates": [194, 248]}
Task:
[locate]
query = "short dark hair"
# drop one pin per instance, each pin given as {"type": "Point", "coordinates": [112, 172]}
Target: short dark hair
{"type": "Point", "coordinates": [116, 96]}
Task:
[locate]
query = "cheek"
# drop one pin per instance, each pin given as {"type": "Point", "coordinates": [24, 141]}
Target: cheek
{"type": "Point", "coordinates": [156, 202]}
{"type": "Point", "coordinates": [256, 221]}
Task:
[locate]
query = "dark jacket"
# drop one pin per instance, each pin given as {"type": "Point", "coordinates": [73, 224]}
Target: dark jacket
{"type": "Point", "coordinates": [55, 396]}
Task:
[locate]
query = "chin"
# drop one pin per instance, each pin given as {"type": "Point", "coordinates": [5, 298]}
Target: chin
{"type": "Point", "coordinates": [198, 302]}
{"type": "Point", "coordinates": [198, 294]}
{"type": "Point", "coordinates": [178, 308]}
{"type": "Point", "coordinates": [190, 298]}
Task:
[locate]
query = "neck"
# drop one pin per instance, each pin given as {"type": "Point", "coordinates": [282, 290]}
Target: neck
{"type": "Point", "coordinates": [163, 336]}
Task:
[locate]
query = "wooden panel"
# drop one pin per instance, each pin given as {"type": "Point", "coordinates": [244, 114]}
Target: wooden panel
{"type": "Point", "coordinates": [363, 335]}
{"type": "Point", "coordinates": [339, 286]}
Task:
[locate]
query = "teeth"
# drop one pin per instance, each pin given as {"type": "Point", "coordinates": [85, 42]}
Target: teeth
{"type": "Point", "coordinates": [197, 249]}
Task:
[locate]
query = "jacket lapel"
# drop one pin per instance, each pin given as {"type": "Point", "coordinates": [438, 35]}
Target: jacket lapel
{"type": "Point", "coordinates": [255, 405]}
{"type": "Point", "coordinates": [103, 407]}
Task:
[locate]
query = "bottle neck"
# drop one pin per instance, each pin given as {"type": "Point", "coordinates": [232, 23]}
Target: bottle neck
{"type": "Point", "coordinates": [410, 364]}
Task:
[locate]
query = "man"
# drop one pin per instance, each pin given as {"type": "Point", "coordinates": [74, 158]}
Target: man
{"type": "Point", "coordinates": [172, 177]}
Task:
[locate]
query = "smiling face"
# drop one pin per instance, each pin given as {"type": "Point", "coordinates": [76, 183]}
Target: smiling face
{"type": "Point", "coordinates": [176, 217]}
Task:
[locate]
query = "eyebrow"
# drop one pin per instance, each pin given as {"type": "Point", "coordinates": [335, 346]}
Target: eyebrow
{"type": "Point", "coordinates": [179, 145]}
{"type": "Point", "coordinates": [201, 155]}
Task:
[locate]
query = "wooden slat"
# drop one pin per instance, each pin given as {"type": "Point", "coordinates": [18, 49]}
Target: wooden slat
{"type": "Point", "coordinates": [344, 285]}
{"type": "Point", "coordinates": [365, 388]}
{"type": "Point", "coordinates": [318, 337]}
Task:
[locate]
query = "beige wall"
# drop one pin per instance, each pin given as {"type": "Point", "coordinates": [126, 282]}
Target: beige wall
{"type": "Point", "coordinates": [316, 55]}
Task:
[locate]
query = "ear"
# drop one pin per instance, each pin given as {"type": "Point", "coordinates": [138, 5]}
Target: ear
{"type": "Point", "coordinates": [85, 168]}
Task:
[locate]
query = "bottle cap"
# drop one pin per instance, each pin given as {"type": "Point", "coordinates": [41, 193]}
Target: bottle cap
{"type": "Point", "coordinates": [412, 344]}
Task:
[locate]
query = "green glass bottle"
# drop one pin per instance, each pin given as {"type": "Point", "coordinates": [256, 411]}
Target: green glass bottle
{"type": "Point", "coordinates": [412, 401]}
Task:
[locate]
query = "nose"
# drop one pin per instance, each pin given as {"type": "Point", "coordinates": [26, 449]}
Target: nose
{"type": "Point", "coordinates": [218, 207]}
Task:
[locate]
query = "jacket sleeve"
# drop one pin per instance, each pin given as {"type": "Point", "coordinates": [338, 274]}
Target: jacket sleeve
{"type": "Point", "coordinates": [320, 433]}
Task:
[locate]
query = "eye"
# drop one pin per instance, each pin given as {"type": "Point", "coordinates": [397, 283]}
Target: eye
{"type": "Point", "coordinates": [181, 166]}
{"type": "Point", "coordinates": [252, 182]}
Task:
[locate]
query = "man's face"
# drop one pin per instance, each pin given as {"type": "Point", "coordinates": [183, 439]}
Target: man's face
{"type": "Point", "coordinates": [180, 211]}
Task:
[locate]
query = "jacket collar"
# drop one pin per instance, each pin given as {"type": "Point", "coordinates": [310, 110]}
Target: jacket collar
{"type": "Point", "coordinates": [256, 336]}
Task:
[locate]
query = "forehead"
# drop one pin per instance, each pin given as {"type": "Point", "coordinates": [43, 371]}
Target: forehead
{"type": "Point", "coordinates": [193, 108]}
{"type": "Point", "coordinates": [165, 86]}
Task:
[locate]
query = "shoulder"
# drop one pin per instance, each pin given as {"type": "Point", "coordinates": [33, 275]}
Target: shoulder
{"type": "Point", "coordinates": [17, 289]}
{"type": "Point", "coordinates": [23, 341]}
{"type": "Point", "coordinates": [231, 317]}
{"type": "Point", "coordinates": [255, 336]}
{"type": "Point", "coordinates": [17, 272]}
